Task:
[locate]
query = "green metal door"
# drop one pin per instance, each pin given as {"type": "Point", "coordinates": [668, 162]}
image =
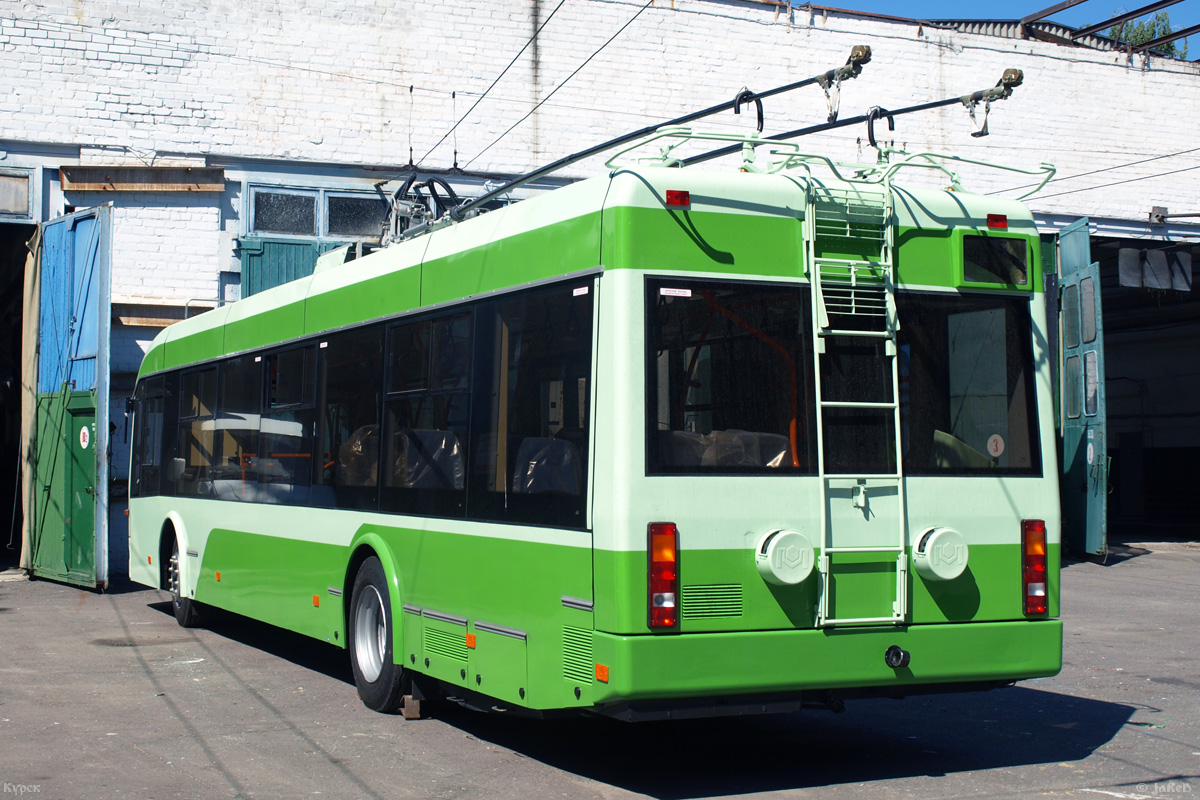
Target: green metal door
{"type": "Point", "coordinates": [64, 530]}
{"type": "Point", "coordinates": [79, 527]}
{"type": "Point", "coordinates": [1084, 461]}
{"type": "Point", "coordinates": [267, 263]}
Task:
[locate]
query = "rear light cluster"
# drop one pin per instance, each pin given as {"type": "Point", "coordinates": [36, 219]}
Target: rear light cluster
{"type": "Point", "coordinates": [663, 584]}
{"type": "Point", "coordinates": [1033, 566]}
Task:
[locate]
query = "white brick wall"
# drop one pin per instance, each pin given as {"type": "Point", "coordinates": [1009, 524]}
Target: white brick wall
{"type": "Point", "coordinates": [165, 244]}
{"type": "Point", "coordinates": [329, 82]}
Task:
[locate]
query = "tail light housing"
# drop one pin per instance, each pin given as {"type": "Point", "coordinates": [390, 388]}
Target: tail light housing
{"type": "Point", "coordinates": [663, 584]}
{"type": "Point", "coordinates": [1033, 567]}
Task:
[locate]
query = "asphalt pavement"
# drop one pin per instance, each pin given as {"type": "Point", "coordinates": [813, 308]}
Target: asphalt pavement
{"type": "Point", "coordinates": [103, 696]}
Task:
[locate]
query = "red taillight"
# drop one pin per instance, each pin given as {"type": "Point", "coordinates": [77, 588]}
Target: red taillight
{"type": "Point", "coordinates": [678, 197]}
{"type": "Point", "coordinates": [1033, 566]}
{"type": "Point", "coordinates": [998, 221]}
{"type": "Point", "coordinates": [663, 589]}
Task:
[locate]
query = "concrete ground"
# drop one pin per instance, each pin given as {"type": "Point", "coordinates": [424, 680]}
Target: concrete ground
{"type": "Point", "coordinates": [102, 695]}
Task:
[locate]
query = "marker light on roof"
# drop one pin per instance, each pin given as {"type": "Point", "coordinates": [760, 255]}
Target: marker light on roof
{"type": "Point", "coordinates": [678, 197]}
{"type": "Point", "coordinates": [998, 221]}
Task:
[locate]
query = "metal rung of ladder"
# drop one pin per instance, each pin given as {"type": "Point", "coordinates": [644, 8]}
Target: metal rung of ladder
{"type": "Point", "coordinates": [828, 332]}
{"type": "Point", "coordinates": [849, 404]}
{"type": "Point", "coordinates": [862, 289]}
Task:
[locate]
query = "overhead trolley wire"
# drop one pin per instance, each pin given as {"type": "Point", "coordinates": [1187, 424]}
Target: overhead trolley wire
{"type": "Point", "coordinates": [859, 55]}
{"type": "Point", "coordinates": [564, 82]}
{"type": "Point", "coordinates": [525, 47]}
{"type": "Point", "coordinates": [1104, 169]}
{"type": "Point", "coordinates": [1118, 183]}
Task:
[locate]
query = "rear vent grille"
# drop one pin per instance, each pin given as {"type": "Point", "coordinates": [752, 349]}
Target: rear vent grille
{"type": "Point", "coordinates": [712, 600]}
{"type": "Point", "coordinates": [578, 665]}
{"type": "Point", "coordinates": [445, 644]}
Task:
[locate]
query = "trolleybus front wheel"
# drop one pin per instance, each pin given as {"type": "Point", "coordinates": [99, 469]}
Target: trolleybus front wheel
{"type": "Point", "coordinates": [379, 679]}
{"type": "Point", "coordinates": [187, 610]}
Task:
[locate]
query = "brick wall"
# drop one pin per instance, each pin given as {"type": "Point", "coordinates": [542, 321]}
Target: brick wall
{"type": "Point", "coordinates": [329, 82]}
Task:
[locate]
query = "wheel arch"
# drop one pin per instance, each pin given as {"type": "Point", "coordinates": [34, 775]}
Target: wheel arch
{"type": "Point", "coordinates": [173, 531]}
{"type": "Point", "coordinates": [365, 545]}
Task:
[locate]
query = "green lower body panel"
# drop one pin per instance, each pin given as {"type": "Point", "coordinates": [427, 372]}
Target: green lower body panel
{"type": "Point", "coordinates": [711, 664]}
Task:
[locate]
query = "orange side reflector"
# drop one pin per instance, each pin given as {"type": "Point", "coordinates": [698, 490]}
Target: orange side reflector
{"type": "Point", "coordinates": [471, 640]}
{"type": "Point", "coordinates": [316, 600]}
{"type": "Point", "coordinates": [148, 561]}
{"type": "Point", "coordinates": [218, 576]}
{"type": "Point", "coordinates": [602, 673]}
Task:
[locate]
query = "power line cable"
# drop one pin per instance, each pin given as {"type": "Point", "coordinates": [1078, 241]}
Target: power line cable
{"type": "Point", "coordinates": [564, 83]}
{"type": "Point", "coordinates": [497, 80]}
{"type": "Point", "coordinates": [1096, 171]}
{"type": "Point", "coordinates": [1118, 183]}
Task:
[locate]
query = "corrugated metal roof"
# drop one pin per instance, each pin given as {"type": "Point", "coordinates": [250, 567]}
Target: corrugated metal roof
{"type": "Point", "coordinates": [1001, 28]}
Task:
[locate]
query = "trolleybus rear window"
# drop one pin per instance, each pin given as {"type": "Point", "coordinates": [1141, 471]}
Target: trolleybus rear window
{"type": "Point", "coordinates": [966, 382]}
{"type": "Point", "coordinates": [991, 259]}
{"type": "Point", "coordinates": [729, 377]}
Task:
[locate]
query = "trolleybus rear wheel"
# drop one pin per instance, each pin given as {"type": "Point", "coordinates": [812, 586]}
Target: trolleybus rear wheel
{"type": "Point", "coordinates": [379, 679]}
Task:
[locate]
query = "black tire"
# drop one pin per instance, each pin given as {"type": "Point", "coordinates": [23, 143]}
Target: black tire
{"type": "Point", "coordinates": [187, 610]}
{"type": "Point", "coordinates": [381, 682]}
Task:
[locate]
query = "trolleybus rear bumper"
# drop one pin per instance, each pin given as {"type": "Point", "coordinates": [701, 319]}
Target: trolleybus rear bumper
{"type": "Point", "coordinates": [755, 662]}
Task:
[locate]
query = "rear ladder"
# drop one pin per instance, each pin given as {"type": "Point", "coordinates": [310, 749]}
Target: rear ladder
{"type": "Point", "coordinates": [849, 242]}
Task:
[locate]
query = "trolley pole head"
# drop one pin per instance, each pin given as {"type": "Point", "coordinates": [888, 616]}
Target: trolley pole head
{"type": "Point", "coordinates": [1011, 79]}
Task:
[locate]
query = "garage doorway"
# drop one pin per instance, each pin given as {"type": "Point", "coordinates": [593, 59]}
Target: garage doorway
{"type": "Point", "coordinates": [13, 252]}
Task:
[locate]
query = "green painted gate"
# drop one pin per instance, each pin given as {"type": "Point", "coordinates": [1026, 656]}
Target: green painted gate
{"type": "Point", "coordinates": [68, 529]}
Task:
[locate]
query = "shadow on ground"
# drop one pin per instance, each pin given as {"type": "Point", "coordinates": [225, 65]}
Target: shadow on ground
{"type": "Point", "coordinates": [874, 740]}
{"type": "Point", "coordinates": [302, 651]}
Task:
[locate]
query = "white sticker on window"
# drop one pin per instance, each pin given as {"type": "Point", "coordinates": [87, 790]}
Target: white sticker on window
{"type": "Point", "coordinates": [582, 290]}
{"type": "Point", "coordinates": [995, 445]}
{"type": "Point", "coordinates": [665, 292]}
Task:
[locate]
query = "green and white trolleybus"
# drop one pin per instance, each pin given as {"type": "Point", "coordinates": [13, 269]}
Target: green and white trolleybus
{"type": "Point", "coordinates": [658, 443]}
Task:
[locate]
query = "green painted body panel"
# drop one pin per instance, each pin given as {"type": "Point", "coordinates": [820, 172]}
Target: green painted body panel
{"type": "Point", "coordinates": [259, 330]}
{"type": "Point", "coordinates": [561, 248]}
{"type": "Point", "coordinates": [377, 296]}
{"type": "Point", "coordinates": [701, 665]}
{"type": "Point", "coordinates": [275, 579]}
{"type": "Point", "coordinates": [703, 241]}
{"type": "Point", "coordinates": [989, 590]}
{"type": "Point", "coordinates": [934, 257]}
{"type": "Point", "coordinates": [500, 583]}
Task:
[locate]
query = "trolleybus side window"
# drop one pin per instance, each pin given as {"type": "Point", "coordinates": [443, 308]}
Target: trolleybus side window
{"type": "Point", "coordinates": [427, 411]}
{"type": "Point", "coordinates": [530, 433]}
{"type": "Point", "coordinates": [729, 378]}
{"type": "Point", "coordinates": [146, 473]}
{"type": "Point", "coordinates": [966, 370]}
{"type": "Point", "coordinates": [349, 398]}
{"type": "Point", "coordinates": [238, 417]}
{"type": "Point", "coordinates": [196, 432]}
{"type": "Point", "coordinates": [286, 427]}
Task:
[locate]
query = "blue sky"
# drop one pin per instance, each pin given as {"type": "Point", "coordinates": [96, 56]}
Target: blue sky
{"type": "Point", "coordinates": [1183, 15]}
